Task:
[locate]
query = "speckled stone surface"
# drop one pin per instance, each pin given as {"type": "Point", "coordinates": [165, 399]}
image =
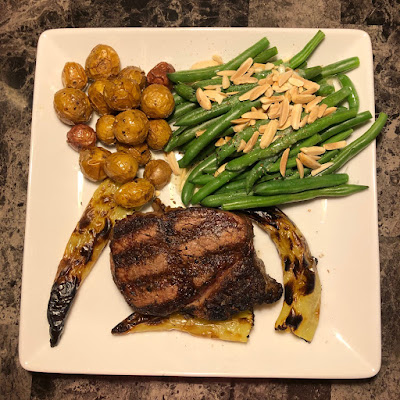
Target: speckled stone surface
{"type": "Point", "coordinates": [21, 23]}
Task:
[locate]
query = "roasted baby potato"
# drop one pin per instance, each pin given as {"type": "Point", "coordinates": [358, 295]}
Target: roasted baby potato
{"type": "Point", "coordinates": [72, 106]}
{"type": "Point", "coordinates": [135, 74]}
{"type": "Point", "coordinates": [105, 129]}
{"type": "Point", "coordinates": [131, 127]}
{"type": "Point", "coordinates": [81, 137]}
{"type": "Point", "coordinates": [158, 74]}
{"type": "Point", "coordinates": [134, 194]}
{"type": "Point", "coordinates": [159, 134]}
{"type": "Point", "coordinates": [157, 101]}
{"type": "Point", "coordinates": [74, 76]}
{"type": "Point", "coordinates": [122, 94]}
{"type": "Point", "coordinates": [121, 167]}
{"type": "Point", "coordinates": [92, 162]}
{"type": "Point", "coordinates": [102, 63]}
{"type": "Point", "coordinates": [140, 152]}
{"type": "Point", "coordinates": [157, 172]}
{"type": "Point", "coordinates": [96, 96]}
{"type": "Point", "coordinates": [236, 329]}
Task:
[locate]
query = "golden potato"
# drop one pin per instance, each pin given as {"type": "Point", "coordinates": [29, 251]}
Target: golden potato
{"type": "Point", "coordinates": [92, 162]}
{"type": "Point", "coordinates": [159, 134]}
{"type": "Point", "coordinates": [122, 94]}
{"type": "Point", "coordinates": [140, 152]}
{"type": "Point", "coordinates": [96, 96]}
{"type": "Point", "coordinates": [131, 127]}
{"type": "Point", "coordinates": [72, 106]}
{"type": "Point", "coordinates": [81, 136]}
{"type": "Point", "coordinates": [158, 173]}
{"type": "Point", "coordinates": [74, 76]}
{"type": "Point", "coordinates": [134, 194]}
{"type": "Point", "coordinates": [105, 129]}
{"type": "Point", "coordinates": [135, 74]}
{"type": "Point", "coordinates": [157, 101]}
{"type": "Point", "coordinates": [102, 63]}
{"type": "Point", "coordinates": [121, 167]}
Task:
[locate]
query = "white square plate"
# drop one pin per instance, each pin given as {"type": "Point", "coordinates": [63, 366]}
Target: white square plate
{"type": "Point", "coordinates": [342, 233]}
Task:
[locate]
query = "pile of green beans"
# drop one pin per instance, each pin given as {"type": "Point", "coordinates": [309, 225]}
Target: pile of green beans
{"type": "Point", "coordinates": [253, 180]}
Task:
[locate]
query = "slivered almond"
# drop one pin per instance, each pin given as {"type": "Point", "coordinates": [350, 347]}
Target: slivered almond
{"type": "Point", "coordinates": [285, 77]}
{"type": "Point", "coordinates": [220, 169]}
{"type": "Point", "coordinates": [227, 72]}
{"type": "Point", "coordinates": [203, 100]}
{"type": "Point", "coordinates": [251, 143]}
{"type": "Point", "coordinates": [284, 112]}
{"type": "Point", "coordinates": [295, 82]}
{"type": "Point", "coordinates": [308, 161]}
{"type": "Point", "coordinates": [262, 128]}
{"type": "Point", "coordinates": [287, 124]}
{"type": "Point", "coordinates": [321, 168]}
{"type": "Point", "coordinates": [310, 85]}
{"type": "Point", "coordinates": [255, 115]}
{"type": "Point", "coordinates": [204, 64]}
{"type": "Point", "coordinates": [246, 96]}
{"type": "Point", "coordinates": [244, 79]}
{"type": "Point", "coordinates": [200, 132]}
{"type": "Point", "coordinates": [211, 87]}
{"type": "Point", "coordinates": [288, 96]}
{"type": "Point", "coordinates": [302, 98]}
{"type": "Point", "coordinates": [262, 81]}
{"type": "Point", "coordinates": [313, 150]}
{"type": "Point", "coordinates": [294, 91]}
{"type": "Point", "coordinates": [240, 127]}
{"type": "Point", "coordinates": [242, 69]}
{"type": "Point", "coordinates": [220, 97]}
{"type": "Point", "coordinates": [253, 109]}
{"type": "Point", "coordinates": [313, 114]}
{"type": "Point", "coordinates": [210, 93]}
{"type": "Point", "coordinates": [296, 116]}
{"type": "Point", "coordinates": [240, 120]}
{"type": "Point", "coordinates": [312, 104]}
{"type": "Point", "coordinates": [303, 122]}
{"type": "Point", "coordinates": [335, 145]}
{"type": "Point", "coordinates": [252, 122]}
{"type": "Point", "coordinates": [258, 91]}
{"type": "Point", "coordinates": [329, 111]}
{"type": "Point", "coordinates": [315, 158]}
{"type": "Point", "coordinates": [272, 99]}
{"type": "Point", "coordinates": [265, 106]}
{"type": "Point", "coordinates": [276, 137]}
{"type": "Point", "coordinates": [270, 79]}
{"type": "Point", "coordinates": [269, 134]}
{"type": "Point", "coordinates": [283, 88]}
{"type": "Point", "coordinates": [300, 168]}
{"type": "Point", "coordinates": [231, 93]}
{"type": "Point", "coordinates": [283, 162]}
{"type": "Point", "coordinates": [242, 145]}
{"type": "Point", "coordinates": [269, 66]}
{"type": "Point", "coordinates": [217, 58]}
{"type": "Point", "coordinates": [259, 65]}
{"type": "Point", "coordinates": [220, 142]}
{"type": "Point", "coordinates": [225, 82]}
{"type": "Point", "coordinates": [274, 110]}
{"type": "Point", "coordinates": [173, 163]}
{"type": "Point", "coordinates": [321, 110]}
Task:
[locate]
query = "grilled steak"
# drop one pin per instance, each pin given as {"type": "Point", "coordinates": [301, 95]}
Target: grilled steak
{"type": "Point", "coordinates": [199, 261]}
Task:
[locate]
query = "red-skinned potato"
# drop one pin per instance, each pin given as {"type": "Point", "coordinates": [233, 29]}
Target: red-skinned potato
{"type": "Point", "coordinates": [81, 137]}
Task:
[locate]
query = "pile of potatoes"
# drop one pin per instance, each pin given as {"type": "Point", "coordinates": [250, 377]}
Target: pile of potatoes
{"type": "Point", "coordinates": [132, 110]}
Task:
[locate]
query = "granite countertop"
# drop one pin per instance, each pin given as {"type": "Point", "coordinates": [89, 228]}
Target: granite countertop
{"type": "Point", "coordinates": [21, 23]}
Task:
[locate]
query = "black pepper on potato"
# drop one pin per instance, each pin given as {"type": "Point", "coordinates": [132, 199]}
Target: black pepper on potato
{"type": "Point", "coordinates": [74, 76]}
{"type": "Point", "coordinates": [96, 97]}
{"type": "Point", "coordinates": [72, 106]}
{"type": "Point", "coordinates": [131, 127]}
{"type": "Point", "coordinates": [102, 63]}
{"type": "Point", "coordinates": [121, 167]}
{"type": "Point", "coordinates": [122, 94]}
{"type": "Point", "coordinates": [157, 101]}
{"type": "Point", "coordinates": [135, 74]}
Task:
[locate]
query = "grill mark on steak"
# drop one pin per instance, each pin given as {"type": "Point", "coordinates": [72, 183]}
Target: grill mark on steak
{"type": "Point", "coordinates": [206, 263]}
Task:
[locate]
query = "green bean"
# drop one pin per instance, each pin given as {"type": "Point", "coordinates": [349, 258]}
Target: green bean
{"type": "Point", "coordinates": [188, 135]}
{"type": "Point", "coordinates": [217, 200]}
{"type": "Point", "coordinates": [180, 110]}
{"type": "Point", "coordinates": [209, 150]}
{"type": "Point", "coordinates": [194, 75]}
{"type": "Point", "coordinates": [245, 202]}
{"type": "Point", "coordinates": [188, 187]}
{"type": "Point", "coordinates": [270, 177]}
{"type": "Point", "coordinates": [353, 98]}
{"type": "Point", "coordinates": [200, 115]}
{"type": "Point", "coordinates": [178, 99]}
{"type": "Point", "coordinates": [340, 67]}
{"type": "Point", "coordinates": [310, 73]}
{"type": "Point", "coordinates": [186, 91]}
{"type": "Point", "coordinates": [300, 185]}
{"type": "Point", "coordinates": [308, 49]}
{"type": "Point", "coordinates": [265, 55]}
{"type": "Point", "coordinates": [340, 136]}
{"type": "Point", "coordinates": [219, 126]}
{"type": "Point", "coordinates": [325, 89]}
{"type": "Point", "coordinates": [337, 97]}
{"type": "Point", "coordinates": [350, 123]}
{"type": "Point", "coordinates": [352, 149]}
{"type": "Point", "coordinates": [232, 186]}
{"type": "Point", "coordinates": [202, 179]}
{"type": "Point", "coordinates": [211, 187]}
{"type": "Point", "coordinates": [288, 140]}
{"type": "Point", "coordinates": [178, 131]}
